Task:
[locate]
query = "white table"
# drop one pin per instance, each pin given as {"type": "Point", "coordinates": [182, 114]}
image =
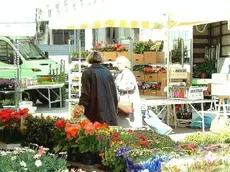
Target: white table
{"type": "Point", "coordinates": [50, 89]}
{"type": "Point", "coordinates": [168, 102]}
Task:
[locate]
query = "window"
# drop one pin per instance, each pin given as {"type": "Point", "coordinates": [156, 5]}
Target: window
{"type": "Point", "coordinates": [6, 53]}
{"type": "Point", "coordinates": [61, 37]}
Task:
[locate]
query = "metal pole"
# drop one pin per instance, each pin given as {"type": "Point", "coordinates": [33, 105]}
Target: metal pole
{"type": "Point", "coordinates": [168, 54]}
{"type": "Point", "coordinates": [191, 61]}
{"type": "Point", "coordinates": [69, 75]}
{"type": "Point", "coordinates": [75, 39]}
{"type": "Point", "coordinates": [131, 53]}
{"type": "Point", "coordinates": [79, 60]}
{"type": "Point", "coordinates": [182, 53]}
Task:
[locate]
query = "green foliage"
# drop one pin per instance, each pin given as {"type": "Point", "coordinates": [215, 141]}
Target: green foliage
{"type": "Point", "coordinates": [208, 66]}
{"type": "Point", "coordinates": [139, 155]}
{"type": "Point", "coordinates": [84, 54]}
{"type": "Point", "coordinates": [176, 52]}
{"type": "Point", "coordinates": [208, 138]}
{"type": "Point", "coordinates": [39, 130]}
{"type": "Point", "coordinates": [139, 47]}
{"type": "Point", "coordinates": [29, 160]}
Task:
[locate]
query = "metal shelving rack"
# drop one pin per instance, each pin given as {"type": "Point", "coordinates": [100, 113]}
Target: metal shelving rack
{"type": "Point", "coordinates": [17, 87]}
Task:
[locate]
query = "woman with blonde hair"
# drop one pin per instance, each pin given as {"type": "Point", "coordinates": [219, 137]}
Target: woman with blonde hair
{"type": "Point", "coordinates": [98, 100]}
{"type": "Point", "coordinates": [128, 91]}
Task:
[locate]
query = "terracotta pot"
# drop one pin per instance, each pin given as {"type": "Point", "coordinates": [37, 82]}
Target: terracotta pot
{"type": "Point", "coordinates": [203, 75]}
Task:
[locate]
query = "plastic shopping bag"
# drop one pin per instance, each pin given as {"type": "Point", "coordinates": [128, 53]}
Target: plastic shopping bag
{"type": "Point", "coordinates": [220, 124]}
{"type": "Point", "coordinates": [152, 120]}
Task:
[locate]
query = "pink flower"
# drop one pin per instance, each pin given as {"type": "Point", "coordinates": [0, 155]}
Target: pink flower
{"type": "Point", "coordinates": [191, 146]}
{"type": "Point", "coordinates": [40, 151]}
{"type": "Point", "coordinates": [210, 157]}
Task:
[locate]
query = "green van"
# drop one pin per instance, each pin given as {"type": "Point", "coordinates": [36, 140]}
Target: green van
{"type": "Point", "coordinates": [33, 62]}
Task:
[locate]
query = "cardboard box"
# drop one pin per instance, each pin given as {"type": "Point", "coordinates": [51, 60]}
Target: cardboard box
{"type": "Point", "coordinates": [110, 56]}
{"type": "Point", "coordinates": [161, 93]}
{"type": "Point", "coordinates": [161, 77]}
{"type": "Point", "coordinates": [125, 53]}
{"type": "Point", "coordinates": [138, 59]}
{"type": "Point", "coordinates": [149, 92]}
{"type": "Point", "coordinates": [151, 77]}
{"type": "Point", "coordinates": [150, 57]}
{"type": "Point", "coordinates": [160, 58]}
{"type": "Point", "coordinates": [141, 92]}
{"type": "Point", "coordinates": [154, 57]}
{"type": "Point", "coordinates": [140, 76]}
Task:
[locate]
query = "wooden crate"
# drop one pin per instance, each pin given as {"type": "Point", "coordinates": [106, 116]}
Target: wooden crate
{"type": "Point", "coordinates": [151, 77]}
{"type": "Point", "coordinates": [110, 56]}
{"type": "Point", "coordinates": [138, 59]}
{"type": "Point", "coordinates": [140, 76]}
{"type": "Point", "coordinates": [149, 92]}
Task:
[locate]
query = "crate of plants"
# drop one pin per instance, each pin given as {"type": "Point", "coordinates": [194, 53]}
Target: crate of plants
{"type": "Point", "coordinates": [76, 55]}
{"type": "Point", "coordinates": [7, 84]}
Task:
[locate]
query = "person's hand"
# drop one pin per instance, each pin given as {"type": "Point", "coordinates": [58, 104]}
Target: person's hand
{"type": "Point", "coordinates": [78, 111]}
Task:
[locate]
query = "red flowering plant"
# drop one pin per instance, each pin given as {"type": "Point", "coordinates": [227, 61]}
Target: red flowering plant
{"type": "Point", "coordinates": [11, 123]}
{"type": "Point", "coordinates": [60, 135]}
{"type": "Point", "coordinates": [11, 118]}
{"type": "Point", "coordinates": [93, 137]}
{"type": "Point", "coordinates": [103, 46]}
{"type": "Point", "coordinates": [84, 136]}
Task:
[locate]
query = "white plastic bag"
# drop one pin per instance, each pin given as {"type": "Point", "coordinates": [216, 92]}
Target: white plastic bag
{"type": "Point", "coordinates": [220, 124]}
{"type": "Point", "coordinates": [152, 120]}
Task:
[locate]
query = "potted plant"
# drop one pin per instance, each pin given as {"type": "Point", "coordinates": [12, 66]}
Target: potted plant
{"type": "Point", "coordinates": [207, 67]}
{"type": "Point", "coordinates": [138, 57]}
{"type": "Point", "coordinates": [11, 129]}
{"type": "Point", "coordinates": [176, 52]}
{"type": "Point", "coordinates": [122, 50]}
{"type": "Point", "coordinates": [153, 52]}
{"type": "Point", "coordinates": [109, 50]}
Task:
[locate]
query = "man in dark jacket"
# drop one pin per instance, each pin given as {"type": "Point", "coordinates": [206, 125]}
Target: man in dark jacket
{"type": "Point", "coordinates": [98, 98]}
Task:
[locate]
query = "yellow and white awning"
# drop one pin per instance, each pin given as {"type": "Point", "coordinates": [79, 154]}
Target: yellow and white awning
{"type": "Point", "coordinates": [141, 14]}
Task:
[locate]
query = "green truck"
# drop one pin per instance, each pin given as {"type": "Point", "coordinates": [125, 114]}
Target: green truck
{"type": "Point", "coordinates": [33, 62]}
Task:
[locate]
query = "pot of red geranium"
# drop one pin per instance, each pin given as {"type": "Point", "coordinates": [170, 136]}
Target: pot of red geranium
{"type": "Point", "coordinates": [11, 123]}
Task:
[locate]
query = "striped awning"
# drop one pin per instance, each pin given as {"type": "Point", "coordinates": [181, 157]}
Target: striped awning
{"type": "Point", "coordinates": [109, 23]}
{"type": "Point", "coordinates": [146, 14]}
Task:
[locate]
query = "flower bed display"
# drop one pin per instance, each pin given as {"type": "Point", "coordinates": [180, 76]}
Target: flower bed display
{"type": "Point", "coordinates": [118, 149]}
{"type": "Point", "coordinates": [25, 159]}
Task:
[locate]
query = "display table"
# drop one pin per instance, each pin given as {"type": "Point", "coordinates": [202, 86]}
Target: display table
{"type": "Point", "coordinates": [168, 102]}
{"type": "Point", "coordinates": [50, 89]}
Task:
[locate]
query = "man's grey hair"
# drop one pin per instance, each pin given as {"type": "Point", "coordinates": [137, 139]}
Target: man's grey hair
{"type": "Point", "coordinates": [95, 57]}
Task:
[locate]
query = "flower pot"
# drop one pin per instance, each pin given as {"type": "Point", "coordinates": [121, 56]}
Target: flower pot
{"type": "Point", "coordinates": [203, 75]}
{"type": "Point", "coordinates": [73, 155]}
{"type": "Point", "coordinates": [10, 135]}
{"type": "Point", "coordinates": [88, 158]}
